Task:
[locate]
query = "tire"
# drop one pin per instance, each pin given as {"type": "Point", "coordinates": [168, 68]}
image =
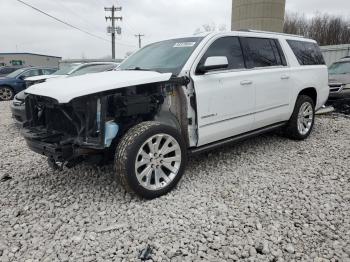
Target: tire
{"type": "Point", "coordinates": [150, 171]}
{"type": "Point", "coordinates": [6, 93]}
{"type": "Point", "coordinates": [299, 128]}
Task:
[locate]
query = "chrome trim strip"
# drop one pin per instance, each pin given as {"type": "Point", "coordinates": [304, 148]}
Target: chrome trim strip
{"type": "Point", "coordinates": [236, 117]}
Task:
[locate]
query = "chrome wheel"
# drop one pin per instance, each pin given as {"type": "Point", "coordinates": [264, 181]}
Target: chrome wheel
{"type": "Point", "coordinates": [158, 162]}
{"type": "Point", "coordinates": [305, 118]}
{"type": "Point", "coordinates": [6, 93]}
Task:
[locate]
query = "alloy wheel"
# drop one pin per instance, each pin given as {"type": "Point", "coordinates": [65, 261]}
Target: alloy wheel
{"type": "Point", "coordinates": [158, 162]}
{"type": "Point", "coordinates": [6, 93]}
{"type": "Point", "coordinates": [305, 118]}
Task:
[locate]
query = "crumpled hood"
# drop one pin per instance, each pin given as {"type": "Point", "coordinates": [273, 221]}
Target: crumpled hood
{"type": "Point", "coordinates": [66, 89]}
{"type": "Point", "coordinates": [341, 79]}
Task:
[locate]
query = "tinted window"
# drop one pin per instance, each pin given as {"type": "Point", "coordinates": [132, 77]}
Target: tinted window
{"type": "Point", "coordinates": [307, 53]}
{"type": "Point", "coordinates": [262, 52]}
{"type": "Point", "coordinates": [229, 47]}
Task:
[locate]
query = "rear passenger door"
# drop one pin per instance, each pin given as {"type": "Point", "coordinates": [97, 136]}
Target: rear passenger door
{"type": "Point", "coordinates": [226, 97]}
{"type": "Point", "coordinates": [271, 79]}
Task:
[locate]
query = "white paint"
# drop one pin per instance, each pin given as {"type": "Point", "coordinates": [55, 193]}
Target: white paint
{"type": "Point", "coordinates": [64, 90]}
{"type": "Point", "coordinates": [233, 102]}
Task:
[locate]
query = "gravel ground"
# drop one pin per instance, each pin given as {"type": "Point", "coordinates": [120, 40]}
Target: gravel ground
{"type": "Point", "coordinates": [266, 199]}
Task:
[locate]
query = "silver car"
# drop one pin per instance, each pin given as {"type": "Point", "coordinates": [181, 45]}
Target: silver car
{"type": "Point", "coordinates": [339, 79]}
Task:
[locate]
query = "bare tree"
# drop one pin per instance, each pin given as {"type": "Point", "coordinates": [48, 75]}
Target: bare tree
{"type": "Point", "coordinates": [212, 27]}
{"type": "Point", "coordinates": [324, 28]}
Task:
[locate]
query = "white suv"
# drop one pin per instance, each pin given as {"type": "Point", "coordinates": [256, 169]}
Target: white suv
{"type": "Point", "coordinates": [178, 97]}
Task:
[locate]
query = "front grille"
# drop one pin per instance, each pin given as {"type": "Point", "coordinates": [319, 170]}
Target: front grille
{"type": "Point", "coordinates": [335, 88]}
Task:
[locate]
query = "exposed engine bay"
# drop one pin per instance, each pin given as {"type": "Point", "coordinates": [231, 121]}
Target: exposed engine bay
{"type": "Point", "coordinates": [93, 124]}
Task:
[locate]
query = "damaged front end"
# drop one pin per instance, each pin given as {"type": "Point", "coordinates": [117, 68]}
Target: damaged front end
{"type": "Point", "coordinates": [86, 126]}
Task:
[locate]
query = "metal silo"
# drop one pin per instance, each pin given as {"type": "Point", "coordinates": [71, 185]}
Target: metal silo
{"type": "Point", "coordinates": [267, 15]}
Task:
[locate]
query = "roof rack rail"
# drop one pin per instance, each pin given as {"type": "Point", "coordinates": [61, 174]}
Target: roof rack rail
{"type": "Point", "coordinates": [269, 32]}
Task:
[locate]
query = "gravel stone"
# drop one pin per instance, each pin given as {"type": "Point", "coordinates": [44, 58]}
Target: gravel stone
{"type": "Point", "coordinates": [265, 199]}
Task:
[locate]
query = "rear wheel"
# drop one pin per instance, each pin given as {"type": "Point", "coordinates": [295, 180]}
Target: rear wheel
{"type": "Point", "coordinates": [150, 159]}
{"type": "Point", "coordinates": [302, 121]}
{"type": "Point", "coordinates": [6, 93]}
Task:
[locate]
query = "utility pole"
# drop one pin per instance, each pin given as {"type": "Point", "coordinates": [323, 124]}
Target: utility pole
{"type": "Point", "coordinates": [113, 29]}
{"type": "Point", "coordinates": [140, 40]}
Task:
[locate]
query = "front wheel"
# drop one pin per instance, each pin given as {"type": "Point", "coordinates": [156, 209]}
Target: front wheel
{"type": "Point", "coordinates": [6, 93]}
{"type": "Point", "coordinates": [302, 121]}
{"type": "Point", "coordinates": [150, 159]}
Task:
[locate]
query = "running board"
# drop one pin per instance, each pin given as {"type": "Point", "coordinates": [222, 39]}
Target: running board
{"type": "Point", "coordinates": [235, 139]}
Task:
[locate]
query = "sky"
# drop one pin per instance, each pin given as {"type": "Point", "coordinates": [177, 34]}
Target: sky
{"type": "Point", "coordinates": [22, 29]}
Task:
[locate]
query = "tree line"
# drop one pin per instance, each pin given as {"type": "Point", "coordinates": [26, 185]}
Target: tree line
{"type": "Point", "coordinates": [324, 28]}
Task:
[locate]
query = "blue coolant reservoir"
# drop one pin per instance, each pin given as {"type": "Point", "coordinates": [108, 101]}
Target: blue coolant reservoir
{"type": "Point", "coordinates": [111, 131]}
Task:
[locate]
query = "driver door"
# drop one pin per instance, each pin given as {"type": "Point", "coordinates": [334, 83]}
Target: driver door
{"type": "Point", "coordinates": [225, 97]}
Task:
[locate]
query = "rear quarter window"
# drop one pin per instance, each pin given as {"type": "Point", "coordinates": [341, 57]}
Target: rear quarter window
{"type": "Point", "coordinates": [307, 53]}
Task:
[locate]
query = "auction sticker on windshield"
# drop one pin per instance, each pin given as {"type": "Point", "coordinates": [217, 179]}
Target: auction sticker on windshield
{"type": "Point", "coordinates": [185, 44]}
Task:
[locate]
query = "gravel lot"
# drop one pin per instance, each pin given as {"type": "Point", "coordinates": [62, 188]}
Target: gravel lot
{"type": "Point", "coordinates": [266, 199]}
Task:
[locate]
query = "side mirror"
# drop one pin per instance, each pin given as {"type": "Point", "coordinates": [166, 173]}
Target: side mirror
{"type": "Point", "coordinates": [22, 77]}
{"type": "Point", "coordinates": [213, 63]}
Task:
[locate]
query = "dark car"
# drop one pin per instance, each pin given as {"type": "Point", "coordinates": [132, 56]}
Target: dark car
{"type": "Point", "coordinates": [14, 82]}
{"type": "Point", "coordinates": [5, 70]}
{"type": "Point", "coordinates": [18, 106]}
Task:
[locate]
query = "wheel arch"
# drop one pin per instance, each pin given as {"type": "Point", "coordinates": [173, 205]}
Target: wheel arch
{"type": "Point", "coordinates": [310, 92]}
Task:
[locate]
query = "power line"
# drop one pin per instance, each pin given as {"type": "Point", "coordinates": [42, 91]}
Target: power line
{"type": "Point", "coordinates": [63, 22]}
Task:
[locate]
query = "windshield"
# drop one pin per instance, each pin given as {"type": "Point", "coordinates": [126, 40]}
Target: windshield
{"type": "Point", "coordinates": [339, 68]}
{"type": "Point", "coordinates": [164, 57]}
{"type": "Point", "coordinates": [93, 69]}
{"type": "Point", "coordinates": [66, 69]}
{"type": "Point", "coordinates": [16, 73]}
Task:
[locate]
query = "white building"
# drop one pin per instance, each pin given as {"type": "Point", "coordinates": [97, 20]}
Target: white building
{"type": "Point", "coordinates": [28, 59]}
{"type": "Point", "coordinates": [333, 53]}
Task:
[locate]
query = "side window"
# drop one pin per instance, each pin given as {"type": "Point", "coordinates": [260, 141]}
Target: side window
{"type": "Point", "coordinates": [33, 72]}
{"type": "Point", "coordinates": [307, 53]}
{"type": "Point", "coordinates": [227, 46]}
{"type": "Point", "coordinates": [48, 71]}
{"type": "Point", "coordinates": [262, 52]}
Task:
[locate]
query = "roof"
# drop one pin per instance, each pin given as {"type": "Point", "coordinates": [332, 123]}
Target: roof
{"type": "Point", "coordinates": [262, 34]}
{"type": "Point", "coordinates": [30, 54]}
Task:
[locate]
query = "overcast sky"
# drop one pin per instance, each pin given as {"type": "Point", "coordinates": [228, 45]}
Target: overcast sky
{"type": "Point", "coordinates": [24, 30]}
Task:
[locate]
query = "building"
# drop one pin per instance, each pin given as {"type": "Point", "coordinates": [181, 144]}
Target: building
{"type": "Point", "coordinates": [28, 59]}
{"type": "Point", "coordinates": [266, 15]}
{"type": "Point", "coordinates": [333, 53]}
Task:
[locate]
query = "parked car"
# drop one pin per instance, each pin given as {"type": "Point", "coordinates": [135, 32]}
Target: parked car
{"type": "Point", "coordinates": [339, 79]}
{"type": "Point", "coordinates": [175, 98]}
{"type": "Point", "coordinates": [73, 69]}
{"type": "Point", "coordinates": [14, 82]}
{"type": "Point", "coordinates": [5, 70]}
{"type": "Point", "coordinates": [18, 104]}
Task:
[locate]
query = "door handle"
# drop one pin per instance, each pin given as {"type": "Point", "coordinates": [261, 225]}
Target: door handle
{"type": "Point", "coordinates": [285, 77]}
{"type": "Point", "coordinates": [246, 82]}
